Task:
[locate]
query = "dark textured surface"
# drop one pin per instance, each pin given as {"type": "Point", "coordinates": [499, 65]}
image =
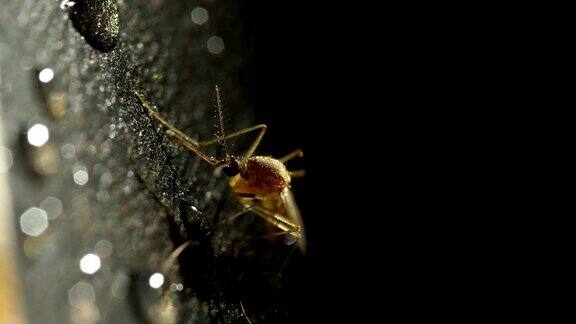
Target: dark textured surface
{"type": "Point", "coordinates": [98, 22]}
{"type": "Point", "coordinates": [145, 195]}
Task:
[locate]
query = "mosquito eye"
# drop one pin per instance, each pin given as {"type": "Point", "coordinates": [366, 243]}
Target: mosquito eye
{"type": "Point", "coordinates": [232, 169]}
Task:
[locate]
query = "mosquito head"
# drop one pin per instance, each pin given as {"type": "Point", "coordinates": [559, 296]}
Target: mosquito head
{"type": "Point", "coordinates": [232, 166]}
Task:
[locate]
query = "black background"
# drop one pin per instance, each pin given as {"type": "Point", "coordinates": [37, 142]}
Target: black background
{"type": "Point", "coordinates": [286, 85]}
{"type": "Point", "coordinates": [294, 79]}
{"type": "Point", "coordinates": [382, 101]}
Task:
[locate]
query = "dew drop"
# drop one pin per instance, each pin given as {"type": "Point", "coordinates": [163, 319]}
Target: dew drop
{"type": "Point", "coordinates": [46, 75]}
{"type": "Point", "coordinates": [38, 135]}
{"type": "Point", "coordinates": [215, 45]}
{"type": "Point", "coordinates": [34, 221]}
{"type": "Point", "coordinates": [199, 16]}
{"type": "Point", "coordinates": [156, 280]}
{"type": "Point", "coordinates": [90, 263]}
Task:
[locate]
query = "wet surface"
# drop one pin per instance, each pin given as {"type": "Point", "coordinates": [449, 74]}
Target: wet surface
{"type": "Point", "coordinates": [114, 195]}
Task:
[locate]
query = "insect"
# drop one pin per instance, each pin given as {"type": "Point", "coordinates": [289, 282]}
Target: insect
{"type": "Point", "coordinates": [261, 184]}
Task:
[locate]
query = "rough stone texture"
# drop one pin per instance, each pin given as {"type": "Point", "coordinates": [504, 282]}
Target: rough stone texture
{"type": "Point", "coordinates": [145, 194]}
{"type": "Point", "coordinates": [97, 21]}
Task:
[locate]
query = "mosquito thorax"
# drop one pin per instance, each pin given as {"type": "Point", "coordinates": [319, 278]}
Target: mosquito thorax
{"type": "Point", "coordinates": [263, 175]}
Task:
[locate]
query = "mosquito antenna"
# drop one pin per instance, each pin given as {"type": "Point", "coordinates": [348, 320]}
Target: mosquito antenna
{"type": "Point", "coordinates": [221, 133]}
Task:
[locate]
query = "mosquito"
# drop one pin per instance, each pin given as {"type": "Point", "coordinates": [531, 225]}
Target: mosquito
{"type": "Point", "coordinates": [261, 184]}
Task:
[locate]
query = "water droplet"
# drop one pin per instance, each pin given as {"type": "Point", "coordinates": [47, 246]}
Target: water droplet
{"type": "Point", "coordinates": [199, 15]}
{"type": "Point", "coordinates": [46, 75]}
{"type": "Point", "coordinates": [103, 196]}
{"type": "Point", "coordinates": [34, 221]}
{"type": "Point", "coordinates": [66, 3]}
{"type": "Point", "coordinates": [68, 151]}
{"type": "Point", "coordinates": [176, 287]}
{"type": "Point", "coordinates": [215, 45]}
{"type": "Point", "coordinates": [103, 248]}
{"type": "Point", "coordinates": [38, 135]}
{"type": "Point", "coordinates": [52, 206]}
{"type": "Point", "coordinates": [90, 263]}
{"type": "Point", "coordinates": [80, 174]}
{"type": "Point", "coordinates": [81, 177]}
{"type": "Point", "coordinates": [156, 280]}
{"type": "Point", "coordinates": [81, 295]}
{"type": "Point", "coordinates": [98, 21]}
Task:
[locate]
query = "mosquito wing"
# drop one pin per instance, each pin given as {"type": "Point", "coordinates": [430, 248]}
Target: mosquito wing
{"type": "Point", "coordinates": [293, 213]}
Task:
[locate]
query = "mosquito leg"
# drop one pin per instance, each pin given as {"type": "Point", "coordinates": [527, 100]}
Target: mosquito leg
{"type": "Point", "coordinates": [248, 195]}
{"type": "Point", "coordinates": [249, 240]}
{"type": "Point", "coordinates": [229, 219]}
{"type": "Point", "coordinates": [297, 173]}
{"type": "Point", "coordinates": [253, 146]}
{"type": "Point", "coordinates": [281, 269]}
{"type": "Point", "coordinates": [280, 221]}
{"type": "Point", "coordinates": [286, 225]}
{"type": "Point", "coordinates": [173, 256]}
{"type": "Point", "coordinates": [244, 313]}
{"type": "Point", "coordinates": [184, 139]}
{"type": "Point", "coordinates": [245, 197]}
{"type": "Point", "coordinates": [291, 155]}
